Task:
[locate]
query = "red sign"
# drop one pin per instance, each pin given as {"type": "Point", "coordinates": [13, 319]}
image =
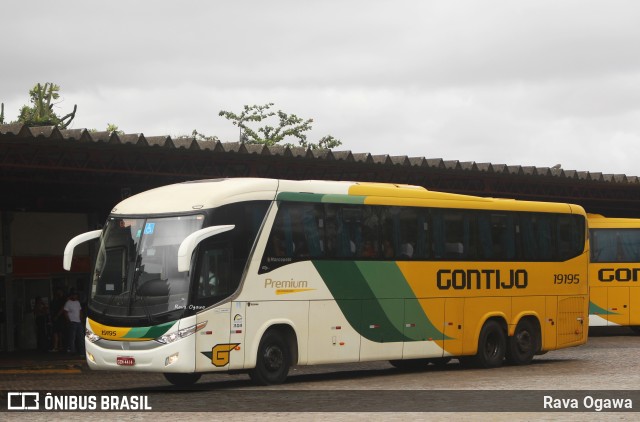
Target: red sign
{"type": "Point", "coordinates": [125, 361]}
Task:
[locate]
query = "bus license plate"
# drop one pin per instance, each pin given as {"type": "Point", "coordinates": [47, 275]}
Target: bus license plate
{"type": "Point", "coordinates": [125, 361]}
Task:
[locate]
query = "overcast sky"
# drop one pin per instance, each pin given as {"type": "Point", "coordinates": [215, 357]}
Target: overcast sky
{"type": "Point", "coordinates": [510, 82]}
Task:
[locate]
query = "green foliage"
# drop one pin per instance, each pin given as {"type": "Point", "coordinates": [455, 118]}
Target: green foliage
{"type": "Point", "coordinates": [288, 126]}
{"type": "Point", "coordinates": [41, 113]}
{"type": "Point", "coordinates": [114, 128]}
{"type": "Point", "coordinates": [197, 136]}
{"type": "Point", "coordinates": [202, 137]}
{"type": "Point", "coordinates": [326, 142]}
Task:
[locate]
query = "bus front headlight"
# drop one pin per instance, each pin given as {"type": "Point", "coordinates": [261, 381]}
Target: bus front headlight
{"type": "Point", "coordinates": [91, 336]}
{"type": "Point", "coordinates": [177, 335]}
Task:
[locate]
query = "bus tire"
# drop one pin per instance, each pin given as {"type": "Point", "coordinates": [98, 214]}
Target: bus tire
{"type": "Point", "coordinates": [523, 345]}
{"type": "Point", "coordinates": [492, 345]}
{"type": "Point", "coordinates": [182, 380]}
{"type": "Point", "coordinates": [410, 364]}
{"type": "Point", "coordinates": [635, 329]}
{"type": "Point", "coordinates": [273, 361]}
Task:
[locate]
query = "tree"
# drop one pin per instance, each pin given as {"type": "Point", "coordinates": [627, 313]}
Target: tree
{"type": "Point", "coordinates": [288, 125]}
{"type": "Point", "coordinates": [41, 113]}
{"type": "Point", "coordinates": [114, 128]}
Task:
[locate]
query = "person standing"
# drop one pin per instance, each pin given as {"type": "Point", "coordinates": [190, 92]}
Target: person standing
{"type": "Point", "coordinates": [41, 314]}
{"type": "Point", "coordinates": [73, 313]}
{"type": "Point", "coordinates": [59, 321]}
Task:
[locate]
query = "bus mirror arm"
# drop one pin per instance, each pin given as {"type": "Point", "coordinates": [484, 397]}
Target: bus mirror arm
{"type": "Point", "coordinates": [191, 242]}
{"type": "Point", "coordinates": [81, 238]}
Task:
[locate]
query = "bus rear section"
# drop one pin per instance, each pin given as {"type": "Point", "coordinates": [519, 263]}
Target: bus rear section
{"type": "Point", "coordinates": [614, 272]}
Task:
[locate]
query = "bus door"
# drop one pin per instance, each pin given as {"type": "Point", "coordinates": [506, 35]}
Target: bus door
{"type": "Point", "coordinates": [423, 328]}
{"type": "Point", "coordinates": [214, 350]}
{"type": "Point", "coordinates": [213, 272]}
{"type": "Point", "coordinates": [453, 326]}
{"type": "Point", "coordinates": [382, 328]}
{"type": "Point", "coordinates": [332, 337]}
{"type": "Point", "coordinates": [634, 305]}
{"type": "Point", "coordinates": [618, 305]}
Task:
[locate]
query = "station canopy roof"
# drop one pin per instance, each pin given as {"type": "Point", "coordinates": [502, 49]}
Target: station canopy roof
{"type": "Point", "coordinates": [47, 169]}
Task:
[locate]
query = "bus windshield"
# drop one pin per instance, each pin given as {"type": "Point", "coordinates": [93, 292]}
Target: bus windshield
{"type": "Point", "coordinates": [136, 272]}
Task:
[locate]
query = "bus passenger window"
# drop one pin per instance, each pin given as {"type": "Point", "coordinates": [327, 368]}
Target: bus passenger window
{"type": "Point", "coordinates": [215, 274]}
{"type": "Point", "coordinates": [277, 245]}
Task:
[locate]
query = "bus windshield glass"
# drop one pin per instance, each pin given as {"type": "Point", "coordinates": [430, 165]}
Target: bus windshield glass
{"type": "Point", "coordinates": [136, 273]}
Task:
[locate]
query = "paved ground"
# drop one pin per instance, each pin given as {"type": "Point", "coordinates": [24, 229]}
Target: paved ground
{"type": "Point", "coordinates": [607, 362]}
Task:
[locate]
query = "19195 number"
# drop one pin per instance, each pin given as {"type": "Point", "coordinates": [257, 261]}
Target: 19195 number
{"type": "Point", "coordinates": [566, 278]}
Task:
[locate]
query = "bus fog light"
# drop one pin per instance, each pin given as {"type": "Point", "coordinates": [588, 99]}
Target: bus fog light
{"type": "Point", "coordinates": [91, 358]}
{"type": "Point", "coordinates": [171, 359]}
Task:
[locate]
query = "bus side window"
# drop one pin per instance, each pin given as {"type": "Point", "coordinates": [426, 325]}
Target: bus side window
{"type": "Point", "coordinates": [349, 231]}
{"type": "Point", "coordinates": [503, 236]}
{"type": "Point", "coordinates": [630, 244]}
{"type": "Point", "coordinates": [422, 241]}
{"type": "Point", "coordinates": [311, 233]}
{"type": "Point", "coordinates": [454, 235]}
{"type": "Point", "coordinates": [438, 240]}
{"type": "Point", "coordinates": [214, 273]}
{"type": "Point", "coordinates": [564, 237]}
{"type": "Point", "coordinates": [546, 248]}
{"type": "Point", "coordinates": [527, 234]}
{"type": "Point", "coordinates": [370, 241]}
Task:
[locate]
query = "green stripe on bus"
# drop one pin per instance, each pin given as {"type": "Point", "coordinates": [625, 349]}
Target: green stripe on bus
{"type": "Point", "coordinates": [377, 300]}
{"type": "Point", "coordinates": [153, 331]}
{"type": "Point", "coordinates": [158, 330]}
{"type": "Point", "coordinates": [596, 310]}
{"type": "Point", "coordinates": [343, 199]}
{"type": "Point", "coordinates": [386, 280]}
{"type": "Point", "coordinates": [320, 198]}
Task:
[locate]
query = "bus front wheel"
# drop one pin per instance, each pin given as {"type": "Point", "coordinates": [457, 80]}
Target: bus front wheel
{"type": "Point", "coordinates": [492, 345]}
{"type": "Point", "coordinates": [274, 360]}
{"type": "Point", "coordinates": [523, 345]}
{"type": "Point", "coordinates": [182, 380]}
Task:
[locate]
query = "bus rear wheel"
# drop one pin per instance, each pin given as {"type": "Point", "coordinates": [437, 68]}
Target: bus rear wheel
{"type": "Point", "coordinates": [523, 345]}
{"type": "Point", "coordinates": [182, 380]}
{"type": "Point", "coordinates": [273, 361]}
{"type": "Point", "coordinates": [492, 345]}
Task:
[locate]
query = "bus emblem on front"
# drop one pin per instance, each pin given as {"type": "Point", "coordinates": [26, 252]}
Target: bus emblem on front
{"type": "Point", "coordinates": [221, 353]}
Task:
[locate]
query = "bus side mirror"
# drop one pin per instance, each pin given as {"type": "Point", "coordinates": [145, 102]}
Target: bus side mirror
{"type": "Point", "coordinates": [191, 242]}
{"type": "Point", "coordinates": [81, 238]}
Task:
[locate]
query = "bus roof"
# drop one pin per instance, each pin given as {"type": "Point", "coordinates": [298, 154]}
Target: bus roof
{"type": "Point", "coordinates": [205, 194]}
{"type": "Point", "coordinates": [597, 221]}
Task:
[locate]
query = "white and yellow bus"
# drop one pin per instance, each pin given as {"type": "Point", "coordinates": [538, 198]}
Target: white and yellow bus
{"type": "Point", "coordinates": [258, 275]}
{"type": "Point", "coordinates": [614, 272]}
